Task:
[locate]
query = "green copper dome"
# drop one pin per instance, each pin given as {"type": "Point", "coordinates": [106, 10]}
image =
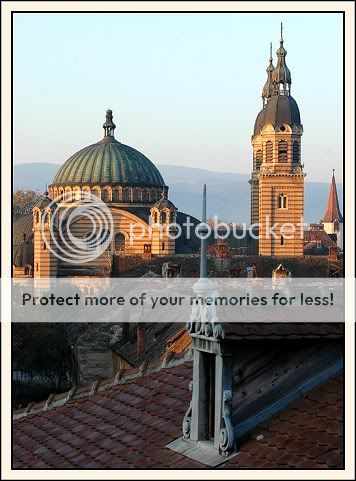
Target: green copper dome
{"type": "Point", "coordinates": [109, 162]}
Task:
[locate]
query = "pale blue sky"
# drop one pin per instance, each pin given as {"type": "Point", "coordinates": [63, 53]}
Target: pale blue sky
{"type": "Point", "coordinates": [185, 89]}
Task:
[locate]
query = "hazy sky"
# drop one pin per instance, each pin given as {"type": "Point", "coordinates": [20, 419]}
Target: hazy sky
{"type": "Point", "coordinates": [185, 89]}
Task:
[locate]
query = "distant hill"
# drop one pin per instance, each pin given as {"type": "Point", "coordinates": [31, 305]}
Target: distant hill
{"type": "Point", "coordinates": [228, 192]}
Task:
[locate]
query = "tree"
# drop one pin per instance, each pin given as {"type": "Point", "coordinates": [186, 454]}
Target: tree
{"type": "Point", "coordinates": [42, 349]}
{"type": "Point", "coordinates": [23, 202]}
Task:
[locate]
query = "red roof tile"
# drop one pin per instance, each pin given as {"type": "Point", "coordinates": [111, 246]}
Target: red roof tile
{"type": "Point", "coordinates": [128, 423]}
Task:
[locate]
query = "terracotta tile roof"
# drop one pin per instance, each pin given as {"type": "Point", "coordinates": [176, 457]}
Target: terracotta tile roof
{"type": "Point", "coordinates": [332, 212]}
{"type": "Point", "coordinates": [126, 422]}
{"type": "Point", "coordinates": [308, 434]}
{"type": "Point", "coordinates": [318, 236]}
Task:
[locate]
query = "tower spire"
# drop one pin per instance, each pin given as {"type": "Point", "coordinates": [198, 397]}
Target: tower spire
{"type": "Point", "coordinates": [267, 90]}
{"type": "Point", "coordinates": [332, 212]}
{"type": "Point", "coordinates": [281, 77]}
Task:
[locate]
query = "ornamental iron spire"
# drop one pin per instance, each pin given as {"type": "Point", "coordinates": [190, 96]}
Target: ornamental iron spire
{"type": "Point", "coordinates": [109, 125]}
{"type": "Point", "coordinates": [203, 243]}
{"type": "Point", "coordinates": [281, 76]}
{"type": "Point", "coordinates": [267, 90]}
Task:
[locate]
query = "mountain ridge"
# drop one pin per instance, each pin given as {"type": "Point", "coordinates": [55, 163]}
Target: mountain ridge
{"type": "Point", "coordinates": [228, 192]}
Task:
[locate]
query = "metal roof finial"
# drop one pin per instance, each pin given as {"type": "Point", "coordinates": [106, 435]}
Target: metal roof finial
{"type": "Point", "coordinates": [109, 125]}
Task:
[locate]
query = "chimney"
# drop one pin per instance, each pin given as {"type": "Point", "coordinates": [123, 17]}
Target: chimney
{"type": "Point", "coordinates": [140, 338]}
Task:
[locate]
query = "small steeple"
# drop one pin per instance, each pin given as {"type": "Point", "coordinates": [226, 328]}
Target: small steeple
{"type": "Point", "coordinates": [267, 90]}
{"type": "Point", "coordinates": [281, 75]}
{"type": "Point", "coordinates": [109, 125]}
{"type": "Point", "coordinates": [332, 212]}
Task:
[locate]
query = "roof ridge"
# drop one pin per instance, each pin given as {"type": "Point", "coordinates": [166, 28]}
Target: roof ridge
{"type": "Point", "coordinates": [169, 360]}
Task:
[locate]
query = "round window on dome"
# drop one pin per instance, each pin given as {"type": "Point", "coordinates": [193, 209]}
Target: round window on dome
{"type": "Point", "coordinates": [282, 128]}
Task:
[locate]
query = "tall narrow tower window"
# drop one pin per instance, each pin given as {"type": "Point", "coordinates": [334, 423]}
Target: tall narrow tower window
{"type": "Point", "coordinates": [269, 151]}
{"type": "Point", "coordinates": [282, 151]}
{"type": "Point", "coordinates": [282, 201]}
{"type": "Point", "coordinates": [119, 242]}
{"type": "Point", "coordinates": [258, 159]}
{"type": "Point", "coordinates": [296, 152]}
{"type": "Point", "coordinates": [282, 240]}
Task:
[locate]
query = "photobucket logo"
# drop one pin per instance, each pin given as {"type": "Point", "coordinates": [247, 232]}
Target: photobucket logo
{"type": "Point", "coordinates": [77, 229]}
{"type": "Point", "coordinates": [218, 229]}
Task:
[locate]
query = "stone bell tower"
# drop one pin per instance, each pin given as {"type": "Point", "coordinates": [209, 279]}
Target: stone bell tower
{"type": "Point", "coordinates": [44, 229]}
{"type": "Point", "coordinates": [163, 219]}
{"type": "Point", "coordinates": [277, 180]}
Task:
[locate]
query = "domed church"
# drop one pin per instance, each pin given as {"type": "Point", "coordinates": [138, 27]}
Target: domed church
{"type": "Point", "coordinates": [130, 186]}
{"type": "Point", "coordinates": [277, 180]}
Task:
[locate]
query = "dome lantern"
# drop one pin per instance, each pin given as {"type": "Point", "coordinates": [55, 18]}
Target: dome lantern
{"type": "Point", "coordinates": [109, 125]}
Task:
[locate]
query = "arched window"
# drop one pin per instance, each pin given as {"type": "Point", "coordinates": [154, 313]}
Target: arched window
{"type": "Point", "coordinates": [37, 217]}
{"type": "Point", "coordinates": [282, 240]}
{"type": "Point", "coordinates": [127, 194]}
{"type": "Point", "coordinates": [163, 246]}
{"type": "Point", "coordinates": [136, 195]}
{"type": "Point", "coordinates": [163, 217]}
{"type": "Point", "coordinates": [155, 218]}
{"type": "Point", "coordinates": [115, 195]}
{"type": "Point", "coordinates": [258, 160]}
{"type": "Point", "coordinates": [282, 151]}
{"type": "Point", "coordinates": [119, 242]}
{"type": "Point", "coordinates": [105, 196]}
{"type": "Point", "coordinates": [153, 195]}
{"type": "Point", "coordinates": [282, 201]}
{"type": "Point", "coordinates": [96, 192]}
{"type": "Point", "coordinates": [296, 152]}
{"type": "Point", "coordinates": [44, 247]}
{"type": "Point", "coordinates": [145, 196]}
{"type": "Point", "coordinates": [269, 151]}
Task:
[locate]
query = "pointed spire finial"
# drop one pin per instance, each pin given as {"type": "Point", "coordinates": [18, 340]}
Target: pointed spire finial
{"type": "Point", "coordinates": [281, 32]}
{"type": "Point", "coordinates": [203, 256]}
{"type": "Point", "coordinates": [268, 88]}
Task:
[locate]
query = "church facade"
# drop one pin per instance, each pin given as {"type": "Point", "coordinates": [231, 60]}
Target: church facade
{"type": "Point", "coordinates": [277, 180]}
